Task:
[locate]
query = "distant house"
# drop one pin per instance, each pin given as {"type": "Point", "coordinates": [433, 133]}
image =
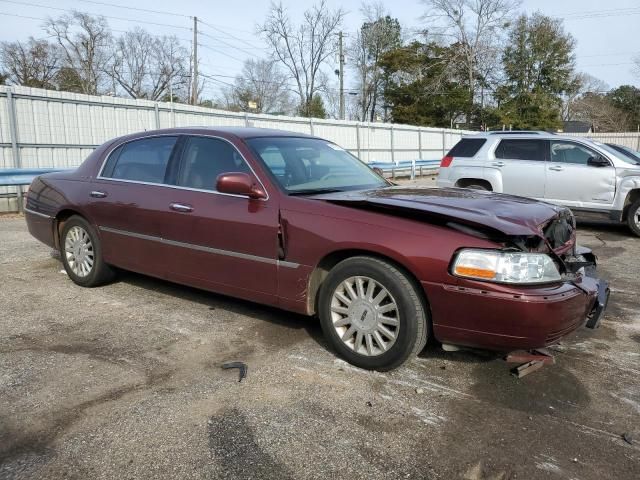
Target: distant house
{"type": "Point", "coordinates": [576, 126]}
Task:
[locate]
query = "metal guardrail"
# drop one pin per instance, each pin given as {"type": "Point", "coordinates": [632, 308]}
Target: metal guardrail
{"type": "Point", "coordinates": [15, 177]}
{"type": "Point", "coordinates": [408, 168]}
{"type": "Point", "coordinates": [18, 177]}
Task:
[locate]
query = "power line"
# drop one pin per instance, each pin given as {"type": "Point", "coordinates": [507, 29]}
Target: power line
{"type": "Point", "coordinates": [219, 29]}
{"type": "Point", "coordinates": [600, 13]}
{"type": "Point", "coordinates": [203, 45]}
{"type": "Point", "coordinates": [160, 12]}
{"type": "Point", "coordinates": [29, 4]}
{"type": "Point", "coordinates": [227, 43]}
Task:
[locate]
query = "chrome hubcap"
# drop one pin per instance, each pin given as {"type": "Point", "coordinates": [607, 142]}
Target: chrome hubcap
{"type": "Point", "coordinates": [365, 316]}
{"type": "Point", "coordinates": [78, 251]}
{"type": "Point", "coordinates": [636, 217]}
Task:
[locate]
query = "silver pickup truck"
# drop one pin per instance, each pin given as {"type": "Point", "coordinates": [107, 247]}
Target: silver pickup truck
{"type": "Point", "coordinates": [594, 179]}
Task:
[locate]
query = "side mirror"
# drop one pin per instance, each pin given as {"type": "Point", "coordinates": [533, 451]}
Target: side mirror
{"type": "Point", "coordinates": [598, 162]}
{"type": "Point", "coordinates": [239, 183]}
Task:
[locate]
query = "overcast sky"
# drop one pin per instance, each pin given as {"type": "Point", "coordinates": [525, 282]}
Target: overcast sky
{"type": "Point", "coordinates": [606, 33]}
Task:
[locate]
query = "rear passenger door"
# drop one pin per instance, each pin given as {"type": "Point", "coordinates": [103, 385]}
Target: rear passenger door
{"type": "Point", "coordinates": [521, 164]}
{"type": "Point", "coordinates": [128, 203]}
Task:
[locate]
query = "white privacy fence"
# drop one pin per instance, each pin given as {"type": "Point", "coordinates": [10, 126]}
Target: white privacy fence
{"type": "Point", "coordinates": [50, 129]}
{"type": "Point", "coordinates": [629, 139]}
{"type": "Point", "coordinates": [44, 128]}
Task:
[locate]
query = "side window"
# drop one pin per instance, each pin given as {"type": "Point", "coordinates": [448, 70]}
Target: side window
{"type": "Point", "coordinates": [204, 158]}
{"type": "Point", "coordinates": [273, 158]}
{"type": "Point", "coordinates": [567, 152]}
{"type": "Point", "coordinates": [522, 150]}
{"type": "Point", "coordinates": [466, 147]}
{"type": "Point", "coordinates": [143, 160]}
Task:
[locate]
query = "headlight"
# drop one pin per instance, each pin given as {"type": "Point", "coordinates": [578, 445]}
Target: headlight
{"type": "Point", "coordinates": [505, 267]}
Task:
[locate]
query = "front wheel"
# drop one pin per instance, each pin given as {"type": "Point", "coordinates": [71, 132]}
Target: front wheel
{"type": "Point", "coordinates": [82, 254]}
{"type": "Point", "coordinates": [372, 314]}
{"type": "Point", "coordinates": [633, 218]}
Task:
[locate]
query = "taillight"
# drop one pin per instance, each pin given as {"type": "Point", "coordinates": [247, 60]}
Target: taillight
{"type": "Point", "coordinates": [446, 161]}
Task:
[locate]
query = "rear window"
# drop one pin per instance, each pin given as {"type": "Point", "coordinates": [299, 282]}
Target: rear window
{"type": "Point", "coordinates": [522, 150]}
{"type": "Point", "coordinates": [143, 160]}
{"type": "Point", "coordinates": [467, 147]}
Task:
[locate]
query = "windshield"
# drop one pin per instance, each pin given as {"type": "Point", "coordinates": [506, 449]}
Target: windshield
{"type": "Point", "coordinates": [311, 165]}
{"type": "Point", "coordinates": [622, 153]}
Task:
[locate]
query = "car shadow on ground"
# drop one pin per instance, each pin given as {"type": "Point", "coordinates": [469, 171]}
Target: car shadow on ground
{"type": "Point", "coordinates": [214, 301]}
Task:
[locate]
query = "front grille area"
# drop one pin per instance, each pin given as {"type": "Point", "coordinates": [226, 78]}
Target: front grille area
{"type": "Point", "coordinates": [560, 230]}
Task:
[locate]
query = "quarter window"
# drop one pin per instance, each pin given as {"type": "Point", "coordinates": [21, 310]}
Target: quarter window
{"type": "Point", "coordinates": [522, 150]}
{"type": "Point", "coordinates": [143, 160]}
{"type": "Point", "coordinates": [204, 159]}
{"type": "Point", "coordinates": [567, 152]}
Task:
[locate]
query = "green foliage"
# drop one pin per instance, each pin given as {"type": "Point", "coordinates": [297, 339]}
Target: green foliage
{"type": "Point", "coordinates": [376, 38]}
{"type": "Point", "coordinates": [627, 99]}
{"type": "Point", "coordinates": [421, 87]}
{"type": "Point", "coordinates": [539, 67]}
{"type": "Point", "coordinates": [68, 80]}
{"type": "Point", "coordinates": [313, 109]}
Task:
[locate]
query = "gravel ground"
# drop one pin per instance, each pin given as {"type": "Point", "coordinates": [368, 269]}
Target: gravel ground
{"type": "Point", "coordinates": [124, 381]}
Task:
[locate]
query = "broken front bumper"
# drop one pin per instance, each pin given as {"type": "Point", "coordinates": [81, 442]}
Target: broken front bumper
{"type": "Point", "coordinates": [507, 317]}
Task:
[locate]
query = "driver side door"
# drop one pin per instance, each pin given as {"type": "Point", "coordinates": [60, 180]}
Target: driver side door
{"type": "Point", "coordinates": [222, 242]}
{"type": "Point", "coordinates": [572, 180]}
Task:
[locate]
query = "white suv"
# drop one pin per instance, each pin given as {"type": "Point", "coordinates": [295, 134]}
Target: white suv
{"type": "Point", "coordinates": [592, 178]}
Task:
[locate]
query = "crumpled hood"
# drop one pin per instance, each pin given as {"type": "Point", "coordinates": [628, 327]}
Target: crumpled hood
{"type": "Point", "coordinates": [507, 214]}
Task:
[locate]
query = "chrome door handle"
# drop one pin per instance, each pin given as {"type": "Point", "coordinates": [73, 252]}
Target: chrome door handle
{"type": "Point", "coordinates": [556, 168]}
{"type": "Point", "coordinates": [498, 164]}
{"type": "Point", "coordinates": [181, 207]}
{"type": "Point", "coordinates": [96, 194]}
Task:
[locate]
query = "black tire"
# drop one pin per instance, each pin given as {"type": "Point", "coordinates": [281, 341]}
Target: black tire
{"type": "Point", "coordinates": [632, 213]}
{"type": "Point", "coordinates": [477, 186]}
{"type": "Point", "coordinates": [99, 273]}
{"type": "Point", "coordinates": [412, 317]}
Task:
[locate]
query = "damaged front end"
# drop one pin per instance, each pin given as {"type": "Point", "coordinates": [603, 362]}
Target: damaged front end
{"type": "Point", "coordinates": [577, 264]}
{"type": "Point", "coordinates": [542, 231]}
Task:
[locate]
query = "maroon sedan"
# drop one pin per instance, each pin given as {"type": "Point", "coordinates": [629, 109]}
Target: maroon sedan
{"type": "Point", "coordinates": [297, 222]}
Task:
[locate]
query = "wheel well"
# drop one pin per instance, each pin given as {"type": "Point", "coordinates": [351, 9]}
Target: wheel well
{"type": "Point", "coordinates": [465, 182]}
{"type": "Point", "coordinates": [325, 265]}
{"type": "Point", "coordinates": [632, 197]}
{"type": "Point", "coordinates": [58, 225]}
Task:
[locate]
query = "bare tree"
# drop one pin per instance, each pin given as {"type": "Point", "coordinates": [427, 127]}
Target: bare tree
{"type": "Point", "coordinates": [598, 110]}
{"type": "Point", "coordinates": [85, 41]}
{"type": "Point", "coordinates": [304, 49]}
{"type": "Point", "coordinates": [33, 63]}
{"type": "Point", "coordinates": [379, 34]}
{"type": "Point", "coordinates": [476, 27]}
{"type": "Point", "coordinates": [146, 66]}
{"type": "Point", "coordinates": [260, 82]}
{"type": "Point", "coordinates": [583, 84]}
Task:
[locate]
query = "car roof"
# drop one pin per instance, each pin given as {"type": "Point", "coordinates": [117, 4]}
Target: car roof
{"type": "Point", "coordinates": [513, 135]}
{"type": "Point", "coordinates": [517, 132]}
{"type": "Point", "coordinates": [240, 132]}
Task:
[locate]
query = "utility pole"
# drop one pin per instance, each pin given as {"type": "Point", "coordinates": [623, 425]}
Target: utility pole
{"type": "Point", "coordinates": [341, 76]}
{"type": "Point", "coordinates": [194, 79]}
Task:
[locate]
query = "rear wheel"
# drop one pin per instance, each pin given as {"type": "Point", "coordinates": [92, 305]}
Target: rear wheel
{"type": "Point", "coordinates": [372, 314]}
{"type": "Point", "coordinates": [81, 254]}
{"type": "Point", "coordinates": [477, 186]}
{"type": "Point", "coordinates": [633, 217]}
